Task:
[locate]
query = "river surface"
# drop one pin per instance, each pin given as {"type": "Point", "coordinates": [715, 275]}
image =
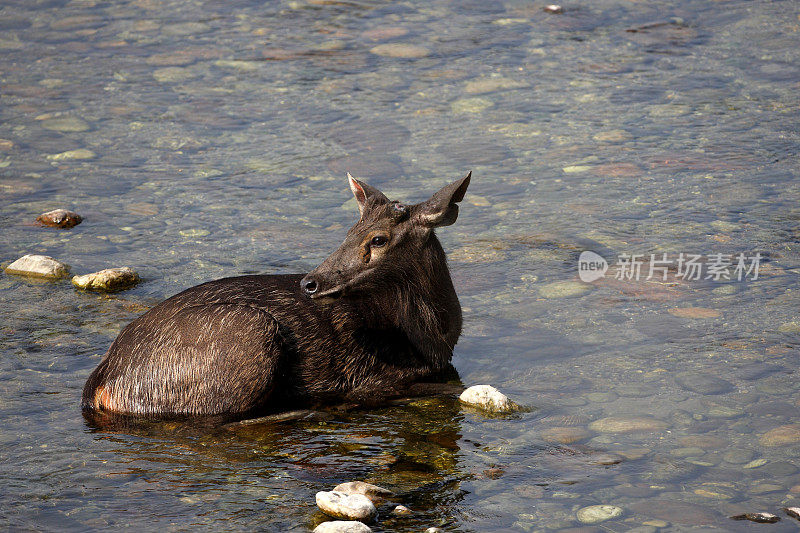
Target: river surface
{"type": "Point", "coordinates": [204, 139]}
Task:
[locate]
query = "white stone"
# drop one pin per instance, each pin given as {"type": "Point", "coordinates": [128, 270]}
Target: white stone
{"type": "Point", "coordinates": [342, 526]}
{"type": "Point", "coordinates": [346, 506]}
{"type": "Point", "coordinates": [38, 265]}
{"type": "Point", "coordinates": [597, 513]}
{"type": "Point", "coordinates": [488, 398]}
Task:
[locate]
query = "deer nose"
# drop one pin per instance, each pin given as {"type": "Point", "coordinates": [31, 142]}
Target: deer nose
{"type": "Point", "coordinates": [309, 285]}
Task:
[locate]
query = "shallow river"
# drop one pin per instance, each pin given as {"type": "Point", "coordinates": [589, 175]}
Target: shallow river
{"type": "Point", "coordinates": [203, 139]}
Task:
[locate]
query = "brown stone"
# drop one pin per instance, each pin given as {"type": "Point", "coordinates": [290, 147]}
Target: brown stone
{"type": "Point", "coordinates": [60, 218]}
{"type": "Point", "coordinates": [694, 312]}
{"type": "Point", "coordinates": [781, 436]}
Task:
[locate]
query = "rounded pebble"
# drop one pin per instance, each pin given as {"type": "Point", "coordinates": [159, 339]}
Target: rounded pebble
{"type": "Point", "coordinates": [488, 398]}
{"type": "Point", "coordinates": [60, 218]}
{"type": "Point", "coordinates": [346, 506]}
{"type": "Point", "coordinates": [595, 514]}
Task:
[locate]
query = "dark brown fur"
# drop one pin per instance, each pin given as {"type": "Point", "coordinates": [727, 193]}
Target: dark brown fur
{"type": "Point", "coordinates": [380, 319]}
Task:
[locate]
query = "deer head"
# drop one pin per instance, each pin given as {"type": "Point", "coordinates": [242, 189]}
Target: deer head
{"type": "Point", "coordinates": [389, 243]}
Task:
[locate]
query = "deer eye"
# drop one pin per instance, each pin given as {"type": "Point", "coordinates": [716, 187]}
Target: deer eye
{"type": "Point", "coordinates": [378, 241]}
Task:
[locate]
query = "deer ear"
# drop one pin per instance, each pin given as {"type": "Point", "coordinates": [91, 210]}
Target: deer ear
{"type": "Point", "coordinates": [365, 195]}
{"type": "Point", "coordinates": [441, 208]}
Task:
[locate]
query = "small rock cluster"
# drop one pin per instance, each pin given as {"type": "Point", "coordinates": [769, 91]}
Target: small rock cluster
{"type": "Point", "coordinates": [352, 504]}
{"type": "Point", "coordinates": [42, 266]}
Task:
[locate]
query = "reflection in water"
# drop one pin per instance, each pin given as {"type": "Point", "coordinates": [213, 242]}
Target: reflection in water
{"type": "Point", "coordinates": [412, 448]}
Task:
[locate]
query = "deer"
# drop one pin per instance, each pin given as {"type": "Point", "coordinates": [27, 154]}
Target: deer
{"type": "Point", "coordinates": [377, 316]}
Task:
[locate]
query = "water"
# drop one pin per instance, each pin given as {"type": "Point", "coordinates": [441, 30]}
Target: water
{"type": "Point", "coordinates": [221, 132]}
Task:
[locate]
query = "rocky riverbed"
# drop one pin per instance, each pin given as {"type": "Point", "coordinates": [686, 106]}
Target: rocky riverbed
{"type": "Point", "coordinates": [208, 139]}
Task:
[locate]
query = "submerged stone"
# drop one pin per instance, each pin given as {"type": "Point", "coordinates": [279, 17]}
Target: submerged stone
{"type": "Point", "coordinates": [41, 266]}
{"type": "Point", "coordinates": [627, 424]}
{"type": "Point", "coordinates": [342, 526]}
{"type": "Point", "coordinates": [781, 436]}
{"type": "Point", "coordinates": [755, 463]}
{"type": "Point", "coordinates": [597, 513]}
{"type": "Point", "coordinates": [80, 153]}
{"type": "Point", "coordinates": [675, 511]}
{"type": "Point", "coordinates": [694, 312]}
{"type": "Point", "coordinates": [65, 124]}
{"type": "Point", "coordinates": [564, 289]}
{"type": "Point", "coordinates": [400, 50]}
{"type": "Point", "coordinates": [173, 74]}
{"type": "Point", "coordinates": [488, 398]}
{"type": "Point", "coordinates": [488, 85]}
{"type": "Point", "coordinates": [346, 506]}
{"type": "Point", "coordinates": [703, 383]}
{"type": "Point", "coordinates": [382, 33]}
{"type": "Point", "coordinates": [110, 279]}
{"type": "Point", "coordinates": [60, 218]}
{"type": "Point", "coordinates": [565, 435]}
{"type": "Point", "coordinates": [401, 510]}
{"type": "Point", "coordinates": [471, 105]}
{"type": "Point", "coordinates": [613, 136]}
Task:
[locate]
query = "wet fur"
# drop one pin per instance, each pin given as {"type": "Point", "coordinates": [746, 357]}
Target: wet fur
{"type": "Point", "coordinates": [254, 344]}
